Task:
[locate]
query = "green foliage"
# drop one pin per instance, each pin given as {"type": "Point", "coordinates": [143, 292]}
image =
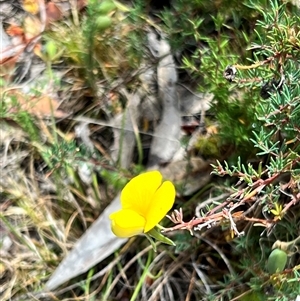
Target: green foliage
{"type": "Point", "coordinates": [258, 115]}
{"type": "Point", "coordinates": [92, 26]}
{"type": "Point", "coordinates": [10, 108]}
{"type": "Point", "coordinates": [272, 179]}
{"type": "Point", "coordinates": [105, 46]}
{"type": "Point", "coordinates": [114, 178]}
{"type": "Point", "coordinates": [63, 154]}
{"type": "Point", "coordinates": [26, 121]}
{"type": "Point", "coordinates": [218, 37]}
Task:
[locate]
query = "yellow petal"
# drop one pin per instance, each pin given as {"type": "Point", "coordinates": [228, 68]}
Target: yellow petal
{"type": "Point", "coordinates": [127, 223]}
{"type": "Point", "coordinates": [162, 202]}
{"type": "Point", "coordinates": [31, 6]}
{"type": "Point", "coordinates": [139, 192]}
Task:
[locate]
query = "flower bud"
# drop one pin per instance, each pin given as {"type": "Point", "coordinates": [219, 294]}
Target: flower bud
{"type": "Point", "coordinates": [276, 261]}
{"type": "Point", "coordinates": [106, 7]}
{"type": "Point", "coordinates": [51, 50]}
{"type": "Point", "coordinates": [103, 22]}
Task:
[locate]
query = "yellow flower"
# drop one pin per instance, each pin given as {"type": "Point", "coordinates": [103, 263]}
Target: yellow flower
{"type": "Point", "coordinates": [145, 201]}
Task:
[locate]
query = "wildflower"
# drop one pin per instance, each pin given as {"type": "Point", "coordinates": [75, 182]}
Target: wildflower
{"type": "Point", "coordinates": [145, 201]}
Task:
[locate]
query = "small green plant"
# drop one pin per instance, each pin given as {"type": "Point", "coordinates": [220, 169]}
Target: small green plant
{"type": "Point", "coordinates": [264, 118]}
{"type": "Point", "coordinates": [273, 184]}
{"type": "Point", "coordinates": [97, 20]}
{"type": "Point", "coordinates": [11, 108]}
{"type": "Point", "coordinates": [215, 45]}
